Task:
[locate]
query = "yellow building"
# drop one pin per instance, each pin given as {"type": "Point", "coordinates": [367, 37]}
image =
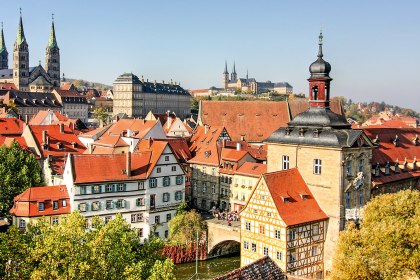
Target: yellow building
{"type": "Point", "coordinates": [283, 221]}
{"type": "Point", "coordinates": [47, 202]}
{"type": "Point", "coordinates": [333, 159]}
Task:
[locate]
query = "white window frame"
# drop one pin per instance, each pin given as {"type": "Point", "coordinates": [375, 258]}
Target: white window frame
{"type": "Point", "coordinates": [317, 166]}
{"type": "Point", "coordinates": [285, 162]}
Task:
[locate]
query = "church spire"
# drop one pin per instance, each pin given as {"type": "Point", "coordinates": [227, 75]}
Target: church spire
{"type": "Point", "coordinates": [234, 68]}
{"type": "Point", "coordinates": [2, 43]}
{"type": "Point", "coordinates": [320, 44]}
{"type": "Point", "coordinates": [52, 41]}
{"type": "Point", "coordinates": [21, 34]}
{"type": "Point", "coordinates": [226, 71]}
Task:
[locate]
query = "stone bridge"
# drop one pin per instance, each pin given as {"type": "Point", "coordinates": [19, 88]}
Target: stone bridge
{"type": "Point", "coordinates": [222, 239]}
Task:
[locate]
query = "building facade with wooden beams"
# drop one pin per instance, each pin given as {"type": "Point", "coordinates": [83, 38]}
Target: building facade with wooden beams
{"type": "Point", "coordinates": [333, 159]}
{"type": "Point", "coordinates": [282, 220]}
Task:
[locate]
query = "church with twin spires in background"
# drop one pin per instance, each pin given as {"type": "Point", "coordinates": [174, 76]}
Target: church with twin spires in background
{"type": "Point", "coordinates": [24, 77]}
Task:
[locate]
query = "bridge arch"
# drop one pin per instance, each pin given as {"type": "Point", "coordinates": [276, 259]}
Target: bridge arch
{"type": "Point", "coordinates": [222, 239]}
{"type": "Point", "coordinates": [225, 247]}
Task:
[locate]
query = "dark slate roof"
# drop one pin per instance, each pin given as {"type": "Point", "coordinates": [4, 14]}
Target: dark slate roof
{"type": "Point", "coordinates": [262, 269]}
{"type": "Point", "coordinates": [320, 117]}
{"type": "Point", "coordinates": [315, 136]}
{"type": "Point", "coordinates": [163, 88]}
{"type": "Point", "coordinates": [282, 84]}
{"type": "Point", "coordinates": [128, 78]}
{"type": "Point", "coordinates": [6, 73]}
{"type": "Point", "coordinates": [34, 99]}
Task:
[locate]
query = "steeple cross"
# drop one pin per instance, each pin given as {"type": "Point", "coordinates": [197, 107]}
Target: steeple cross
{"type": "Point", "coordinates": [20, 11]}
{"type": "Point", "coordinates": [52, 16]}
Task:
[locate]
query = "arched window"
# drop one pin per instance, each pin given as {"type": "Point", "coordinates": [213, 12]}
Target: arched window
{"type": "Point", "coordinates": [315, 93]}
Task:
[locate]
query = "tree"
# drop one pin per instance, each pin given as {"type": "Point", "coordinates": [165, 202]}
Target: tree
{"type": "Point", "coordinates": [184, 227]}
{"type": "Point", "coordinates": [19, 170]}
{"type": "Point", "coordinates": [387, 245]}
{"type": "Point", "coordinates": [194, 103]}
{"type": "Point", "coordinates": [70, 251]}
{"type": "Point", "coordinates": [101, 115]}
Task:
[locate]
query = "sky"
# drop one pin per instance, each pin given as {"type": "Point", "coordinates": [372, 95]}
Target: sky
{"type": "Point", "coordinates": [373, 46]}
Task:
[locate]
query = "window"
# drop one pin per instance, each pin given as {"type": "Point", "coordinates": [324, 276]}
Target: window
{"type": "Point", "coordinates": [152, 200]}
{"type": "Point", "coordinates": [204, 187]}
{"type": "Point", "coordinates": [173, 168]}
{"type": "Point", "coordinates": [179, 180]}
{"type": "Point", "coordinates": [64, 203]}
{"type": "Point", "coordinates": [109, 204]}
{"type": "Point", "coordinates": [315, 229]}
{"type": "Point", "coordinates": [83, 207]}
{"type": "Point", "coordinates": [133, 218]}
{"type": "Point", "coordinates": [108, 188]}
{"type": "Point", "coordinates": [96, 206]}
{"type": "Point", "coordinates": [347, 200]}
{"type": "Point", "coordinates": [141, 186]}
{"type": "Point", "coordinates": [166, 233]}
{"type": "Point", "coordinates": [120, 203]}
{"type": "Point", "coordinates": [361, 165]}
{"type": "Point", "coordinates": [152, 182]}
{"type": "Point", "coordinates": [348, 168]}
{"type": "Point", "coordinates": [213, 171]}
{"type": "Point", "coordinates": [96, 189]}
{"type": "Point", "coordinates": [157, 219]}
{"type": "Point", "coordinates": [22, 224]}
{"type": "Point", "coordinates": [41, 206]}
{"type": "Point", "coordinates": [168, 217]}
{"type": "Point", "coordinates": [254, 247]}
{"type": "Point", "coordinates": [314, 250]}
{"type": "Point", "coordinates": [285, 162]}
{"type": "Point", "coordinates": [195, 185]}
{"type": "Point", "coordinates": [292, 256]}
{"type": "Point", "coordinates": [166, 158]}
{"type": "Point", "coordinates": [107, 219]}
{"type": "Point", "coordinates": [121, 187]}
{"type": "Point", "coordinates": [82, 189]}
{"type": "Point", "coordinates": [292, 234]}
{"type": "Point", "coordinates": [165, 197]}
{"type": "Point", "coordinates": [360, 198]}
{"type": "Point", "coordinates": [139, 217]}
{"type": "Point", "coordinates": [158, 170]}
{"type": "Point", "coordinates": [265, 251]}
{"type": "Point", "coordinates": [248, 225]}
{"type": "Point", "coordinates": [279, 255]}
{"type": "Point", "coordinates": [246, 245]}
{"type": "Point", "coordinates": [213, 189]}
{"type": "Point", "coordinates": [262, 229]}
{"type": "Point", "coordinates": [140, 201]}
{"type": "Point", "coordinates": [178, 195]}
{"type": "Point", "coordinates": [140, 232]}
{"type": "Point", "coordinates": [166, 181]}
{"type": "Point", "coordinates": [204, 171]}
{"type": "Point", "coordinates": [55, 205]}
{"type": "Point", "coordinates": [277, 234]}
{"type": "Point", "coordinates": [317, 166]}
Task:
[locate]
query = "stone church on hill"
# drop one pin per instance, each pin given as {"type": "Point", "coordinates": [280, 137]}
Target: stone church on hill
{"type": "Point", "coordinates": [24, 77]}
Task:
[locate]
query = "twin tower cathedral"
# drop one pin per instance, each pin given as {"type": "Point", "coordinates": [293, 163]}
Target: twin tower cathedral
{"type": "Point", "coordinates": [25, 78]}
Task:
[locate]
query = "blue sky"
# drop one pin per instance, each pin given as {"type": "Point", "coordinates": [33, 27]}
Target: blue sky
{"type": "Point", "coordinates": [373, 46]}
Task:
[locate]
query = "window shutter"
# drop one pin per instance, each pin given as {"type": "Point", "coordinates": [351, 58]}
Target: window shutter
{"type": "Point", "coordinates": [92, 189]}
{"type": "Point", "coordinates": [101, 206]}
{"type": "Point", "coordinates": [78, 207]}
{"type": "Point", "coordinates": [163, 197]}
{"type": "Point", "coordinates": [87, 206]}
{"type": "Point", "coordinates": [113, 187]}
{"type": "Point", "coordinates": [125, 187]}
{"type": "Point", "coordinates": [123, 201]}
{"type": "Point", "coordinates": [100, 188]}
{"type": "Point", "coordinates": [169, 197]}
{"type": "Point", "coordinates": [169, 181]}
{"type": "Point", "coordinates": [112, 204]}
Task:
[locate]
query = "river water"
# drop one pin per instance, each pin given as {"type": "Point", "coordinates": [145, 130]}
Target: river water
{"type": "Point", "coordinates": [207, 269]}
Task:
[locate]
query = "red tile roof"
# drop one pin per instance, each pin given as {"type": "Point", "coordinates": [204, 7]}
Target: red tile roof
{"type": "Point", "coordinates": [11, 126]}
{"type": "Point", "coordinates": [179, 147]}
{"type": "Point", "coordinates": [254, 121]}
{"type": "Point", "coordinates": [26, 203]}
{"type": "Point", "coordinates": [111, 141]}
{"type": "Point", "coordinates": [56, 138]}
{"type": "Point", "coordinates": [8, 141]}
{"type": "Point", "coordinates": [43, 114]}
{"type": "Point", "coordinates": [233, 154]}
{"type": "Point", "coordinates": [105, 168]}
{"type": "Point", "coordinates": [8, 86]}
{"type": "Point", "coordinates": [289, 184]}
{"type": "Point", "coordinates": [68, 93]}
{"type": "Point", "coordinates": [259, 152]}
{"type": "Point", "coordinates": [139, 127]}
{"type": "Point", "coordinates": [204, 145]}
{"type": "Point", "coordinates": [156, 149]}
{"type": "Point", "coordinates": [252, 169]}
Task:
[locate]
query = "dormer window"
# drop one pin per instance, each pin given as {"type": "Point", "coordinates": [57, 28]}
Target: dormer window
{"type": "Point", "coordinates": [377, 170]}
{"type": "Point", "coordinates": [387, 168]}
{"type": "Point", "coordinates": [416, 140]}
{"type": "Point", "coordinates": [315, 133]}
{"type": "Point", "coordinates": [301, 132]}
{"type": "Point", "coordinates": [396, 168]}
{"type": "Point", "coordinates": [396, 140]}
{"type": "Point", "coordinates": [315, 93]}
{"type": "Point", "coordinates": [304, 196]}
{"type": "Point", "coordinates": [414, 164]}
{"type": "Point", "coordinates": [287, 131]}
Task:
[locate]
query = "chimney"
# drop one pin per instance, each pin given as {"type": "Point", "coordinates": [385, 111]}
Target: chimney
{"type": "Point", "coordinates": [26, 118]}
{"type": "Point", "coordinates": [128, 164]}
{"type": "Point", "coordinates": [90, 148]}
{"type": "Point", "coordinates": [238, 146]}
{"type": "Point", "coordinates": [61, 128]}
{"type": "Point", "coordinates": [44, 136]}
{"type": "Point", "coordinates": [206, 128]}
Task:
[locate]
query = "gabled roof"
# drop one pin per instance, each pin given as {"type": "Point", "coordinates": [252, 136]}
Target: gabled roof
{"type": "Point", "coordinates": [258, 152]}
{"type": "Point", "coordinates": [26, 203]}
{"type": "Point", "coordinates": [179, 147]}
{"type": "Point", "coordinates": [139, 127]}
{"type": "Point", "coordinates": [113, 141]}
{"type": "Point", "coordinates": [292, 197]}
{"type": "Point", "coordinates": [42, 115]}
{"type": "Point", "coordinates": [11, 126]}
{"type": "Point", "coordinates": [56, 138]}
{"type": "Point", "coordinates": [232, 154]}
{"type": "Point", "coordinates": [8, 86]}
{"type": "Point", "coordinates": [154, 147]}
{"type": "Point", "coordinates": [9, 140]}
{"type": "Point", "coordinates": [204, 145]}
{"type": "Point", "coordinates": [252, 169]}
{"type": "Point", "coordinates": [106, 168]}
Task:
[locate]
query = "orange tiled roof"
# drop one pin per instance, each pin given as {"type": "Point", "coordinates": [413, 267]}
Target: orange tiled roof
{"type": "Point", "coordinates": [8, 141]}
{"type": "Point", "coordinates": [26, 203]}
{"type": "Point", "coordinates": [42, 114]}
{"type": "Point", "coordinates": [233, 154]}
{"type": "Point", "coordinates": [11, 126]}
{"type": "Point", "coordinates": [204, 145]}
{"type": "Point", "coordinates": [139, 127]}
{"type": "Point", "coordinates": [8, 86]}
{"type": "Point", "coordinates": [56, 138]}
{"type": "Point", "coordinates": [68, 93]}
{"type": "Point", "coordinates": [252, 169]}
{"type": "Point", "coordinates": [156, 149]}
{"type": "Point", "coordinates": [254, 121]}
{"type": "Point", "coordinates": [111, 141]}
{"type": "Point", "coordinates": [289, 184]}
{"type": "Point", "coordinates": [179, 147]}
{"type": "Point", "coordinates": [256, 151]}
{"type": "Point", "coordinates": [105, 168]}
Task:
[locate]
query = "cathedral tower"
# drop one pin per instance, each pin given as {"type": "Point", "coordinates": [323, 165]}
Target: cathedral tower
{"type": "Point", "coordinates": [3, 51]}
{"type": "Point", "coordinates": [21, 59]}
{"type": "Point", "coordinates": [52, 58]}
{"type": "Point", "coordinates": [225, 77]}
{"type": "Point", "coordinates": [233, 75]}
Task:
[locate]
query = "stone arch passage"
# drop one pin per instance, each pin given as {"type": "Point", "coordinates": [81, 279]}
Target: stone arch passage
{"type": "Point", "coordinates": [223, 248]}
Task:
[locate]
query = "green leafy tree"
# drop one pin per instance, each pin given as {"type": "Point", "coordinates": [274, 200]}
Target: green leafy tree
{"type": "Point", "coordinates": [101, 115]}
{"type": "Point", "coordinates": [183, 227]}
{"type": "Point", "coordinates": [19, 170]}
{"type": "Point", "coordinates": [387, 245]}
